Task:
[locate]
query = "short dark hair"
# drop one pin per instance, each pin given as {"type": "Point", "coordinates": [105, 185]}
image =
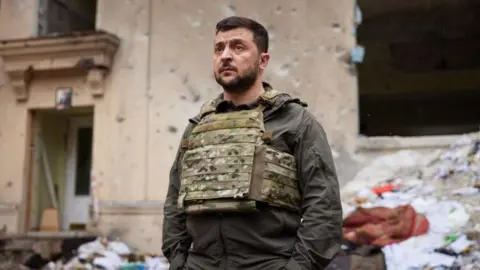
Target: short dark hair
{"type": "Point", "coordinates": [260, 34]}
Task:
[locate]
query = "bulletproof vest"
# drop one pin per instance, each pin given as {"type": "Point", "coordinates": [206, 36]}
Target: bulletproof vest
{"type": "Point", "coordinates": [228, 165]}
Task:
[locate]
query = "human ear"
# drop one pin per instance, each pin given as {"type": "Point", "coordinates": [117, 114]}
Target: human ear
{"type": "Point", "coordinates": [263, 62]}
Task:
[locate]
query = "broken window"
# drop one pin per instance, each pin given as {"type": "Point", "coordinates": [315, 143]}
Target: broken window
{"type": "Point", "coordinates": [65, 16]}
{"type": "Point", "coordinates": [421, 69]}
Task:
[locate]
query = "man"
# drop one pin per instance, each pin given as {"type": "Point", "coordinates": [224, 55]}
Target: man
{"type": "Point", "coordinates": [253, 185]}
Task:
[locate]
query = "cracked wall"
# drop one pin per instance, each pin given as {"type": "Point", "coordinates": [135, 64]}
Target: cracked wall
{"type": "Point", "coordinates": [163, 73]}
{"type": "Point", "coordinates": [167, 60]}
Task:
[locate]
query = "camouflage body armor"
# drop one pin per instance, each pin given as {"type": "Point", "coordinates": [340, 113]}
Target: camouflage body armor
{"type": "Point", "coordinates": [228, 165]}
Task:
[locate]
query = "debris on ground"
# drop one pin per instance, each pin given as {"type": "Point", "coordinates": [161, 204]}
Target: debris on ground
{"type": "Point", "coordinates": [442, 187]}
{"type": "Point", "coordinates": [97, 254]}
{"type": "Point", "coordinates": [406, 211]}
{"type": "Point", "coordinates": [382, 226]}
{"type": "Point", "coordinates": [112, 255]}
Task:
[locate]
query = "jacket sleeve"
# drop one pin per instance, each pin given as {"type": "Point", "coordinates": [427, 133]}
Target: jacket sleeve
{"type": "Point", "coordinates": [320, 233]}
{"type": "Point", "coordinates": [176, 240]}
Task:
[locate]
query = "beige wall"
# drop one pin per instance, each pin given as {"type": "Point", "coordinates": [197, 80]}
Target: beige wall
{"type": "Point", "coordinates": [17, 20]}
{"type": "Point", "coordinates": [161, 76]}
{"type": "Point", "coordinates": [166, 58]}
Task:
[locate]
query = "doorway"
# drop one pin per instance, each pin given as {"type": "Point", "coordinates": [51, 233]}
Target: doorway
{"type": "Point", "coordinates": [63, 146]}
{"type": "Point", "coordinates": [421, 69]}
{"type": "Point", "coordinates": [79, 163]}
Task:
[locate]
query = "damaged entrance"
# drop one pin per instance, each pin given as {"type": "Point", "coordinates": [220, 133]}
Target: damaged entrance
{"type": "Point", "coordinates": [60, 193]}
{"type": "Point", "coordinates": [421, 70]}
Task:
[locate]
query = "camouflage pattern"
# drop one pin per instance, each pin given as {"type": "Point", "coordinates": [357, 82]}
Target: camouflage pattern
{"type": "Point", "coordinates": [215, 206]}
{"type": "Point", "coordinates": [267, 238]}
{"type": "Point", "coordinates": [228, 167]}
{"type": "Point", "coordinates": [269, 96]}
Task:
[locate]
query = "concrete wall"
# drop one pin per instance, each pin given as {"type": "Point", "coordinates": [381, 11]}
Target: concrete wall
{"type": "Point", "coordinates": [161, 76]}
{"type": "Point", "coordinates": [17, 20]}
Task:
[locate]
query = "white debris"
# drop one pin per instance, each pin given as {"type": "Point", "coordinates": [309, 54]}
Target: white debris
{"type": "Point", "coordinates": [108, 260]}
{"type": "Point", "coordinates": [119, 248]}
{"type": "Point", "coordinates": [111, 255]}
{"type": "Point", "coordinates": [461, 244]}
{"type": "Point", "coordinates": [443, 186]}
{"type": "Point", "coordinates": [416, 253]}
{"type": "Point", "coordinates": [385, 167]}
{"type": "Point", "coordinates": [466, 191]}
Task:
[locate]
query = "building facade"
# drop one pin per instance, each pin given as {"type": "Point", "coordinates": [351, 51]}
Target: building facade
{"type": "Point", "coordinates": [94, 96]}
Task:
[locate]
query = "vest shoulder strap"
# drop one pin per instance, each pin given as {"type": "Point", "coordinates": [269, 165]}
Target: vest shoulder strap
{"type": "Point", "coordinates": [208, 108]}
{"type": "Point", "coordinates": [268, 96]}
{"type": "Point", "coordinates": [271, 95]}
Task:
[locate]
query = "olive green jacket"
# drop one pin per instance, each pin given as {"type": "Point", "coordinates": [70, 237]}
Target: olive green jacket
{"type": "Point", "coordinates": [271, 239]}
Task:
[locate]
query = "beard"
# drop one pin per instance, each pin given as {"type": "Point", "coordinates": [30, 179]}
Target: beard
{"type": "Point", "coordinates": [240, 83]}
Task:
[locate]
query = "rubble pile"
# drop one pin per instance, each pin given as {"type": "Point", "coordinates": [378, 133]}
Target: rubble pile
{"type": "Point", "coordinates": [107, 255]}
{"type": "Point", "coordinates": [443, 187]}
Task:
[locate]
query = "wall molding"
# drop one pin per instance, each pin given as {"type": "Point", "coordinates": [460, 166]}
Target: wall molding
{"type": "Point", "coordinates": [89, 52]}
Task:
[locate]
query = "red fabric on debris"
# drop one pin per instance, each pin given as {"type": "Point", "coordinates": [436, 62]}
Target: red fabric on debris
{"type": "Point", "coordinates": [383, 226]}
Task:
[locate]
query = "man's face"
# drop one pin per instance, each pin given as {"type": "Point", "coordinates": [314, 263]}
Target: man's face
{"type": "Point", "coordinates": [236, 60]}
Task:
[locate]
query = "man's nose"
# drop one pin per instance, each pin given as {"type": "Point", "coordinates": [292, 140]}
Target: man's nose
{"type": "Point", "coordinates": [226, 54]}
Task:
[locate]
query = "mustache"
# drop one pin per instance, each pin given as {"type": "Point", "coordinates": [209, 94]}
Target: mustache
{"type": "Point", "coordinates": [228, 67]}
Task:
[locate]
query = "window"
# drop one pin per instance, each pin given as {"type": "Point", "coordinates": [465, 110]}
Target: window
{"type": "Point", "coordinates": [65, 16]}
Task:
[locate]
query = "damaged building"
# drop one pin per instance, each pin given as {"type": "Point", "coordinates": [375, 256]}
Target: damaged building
{"type": "Point", "coordinates": [94, 94]}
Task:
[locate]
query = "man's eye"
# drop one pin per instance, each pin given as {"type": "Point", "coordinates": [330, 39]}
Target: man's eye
{"type": "Point", "coordinates": [218, 49]}
{"type": "Point", "coordinates": [239, 48]}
